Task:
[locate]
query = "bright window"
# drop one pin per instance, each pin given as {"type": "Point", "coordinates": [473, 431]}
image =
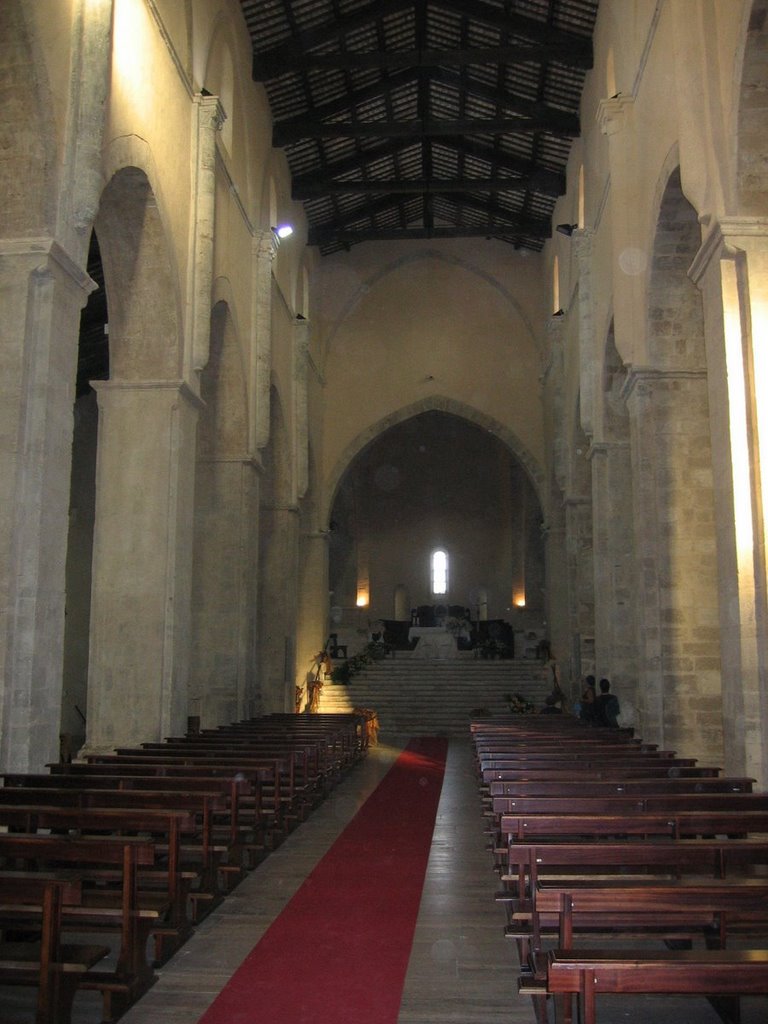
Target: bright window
{"type": "Point", "coordinates": [439, 572]}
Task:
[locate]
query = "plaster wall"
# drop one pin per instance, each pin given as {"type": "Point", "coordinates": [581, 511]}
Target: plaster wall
{"type": "Point", "coordinates": [450, 321]}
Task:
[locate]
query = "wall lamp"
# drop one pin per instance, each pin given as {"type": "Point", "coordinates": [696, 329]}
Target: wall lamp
{"type": "Point", "coordinates": [566, 229]}
{"type": "Point", "coordinates": [283, 231]}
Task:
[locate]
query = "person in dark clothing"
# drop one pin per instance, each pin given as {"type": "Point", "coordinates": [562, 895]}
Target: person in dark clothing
{"type": "Point", "coordinates": [606, 707]}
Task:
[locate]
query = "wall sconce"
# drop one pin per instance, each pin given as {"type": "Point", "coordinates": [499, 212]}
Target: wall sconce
{"type": "Point", "coordinates": [566, 229]}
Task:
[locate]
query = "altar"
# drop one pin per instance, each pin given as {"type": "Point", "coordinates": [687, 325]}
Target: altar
{"type": "Point", "coordinates": [433, 642]}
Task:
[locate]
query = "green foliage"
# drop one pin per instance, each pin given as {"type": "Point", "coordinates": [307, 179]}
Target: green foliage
{"type": "Point", "coordinates": [376, 650]}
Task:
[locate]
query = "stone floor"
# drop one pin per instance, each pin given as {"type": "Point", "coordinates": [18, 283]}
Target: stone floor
{"type": "Point", "coordinates": [462, 970]}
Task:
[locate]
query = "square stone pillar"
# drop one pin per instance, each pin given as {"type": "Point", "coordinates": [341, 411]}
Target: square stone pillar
{"type": "Point", "coordinates": [731, 269]}
{"type": "Point", "coordinates": [42, 291]}
{"type": "Point", "coordinates": [614, 565]}
{"type": "Point", "coordinates": [676, 572]}
{"type": "Point", "coordinates": [312, 630]}
{"type": "Point", "coordinates": [278, 605]}
{"type": "Point", "coordinates": [142, 562]}
{"type": "Point", "coordinates": [223, 671]}
{"type": "Point", "coordinates": [580, 582]}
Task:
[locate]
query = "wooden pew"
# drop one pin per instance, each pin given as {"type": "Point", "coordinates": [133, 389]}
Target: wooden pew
{"type": "Point", "coordinates": [712, 857]}
{"type": "Point", "coordinates": [583, 759]}
{"type": "Point", "coordinates": [232, 824]}
{"type": "Point", "coordinates": [55, 968]}
{"type": "Point", "coordinates": [304, 771]}
{"type": "Point", "coordinates": [280, 800]}
{"type": "Point", "coordinates": [263, 778]}
{"type": "Point", "coordinates": [608, 787]}
{"type": "Point", "coordinates": [679, 825]}
{"type": "Point", "coordinates": [623, 908]}
{"type": "Point", "coordinates": [166, 829]}
{"type": "Point", "coordinates": [612, 771]}
{"type": "Point", "coordinates": [629, 803]}
{"type": "Point", "coordinates": [566, 908]}
{"type": "Point", "coordinates": [102, 907]}
{"type": "Point", "coordinates": [708, 972]}
{"type": "Point", "coordinates": [524, 774]}
{"type": "Point", "coordinates": [200, 846]}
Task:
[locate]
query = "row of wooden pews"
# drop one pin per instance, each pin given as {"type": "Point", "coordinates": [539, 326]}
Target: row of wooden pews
{"type": "Point", "coordinates": [136, 847]}
{"type": "Point", "coordinates": [624, 868]}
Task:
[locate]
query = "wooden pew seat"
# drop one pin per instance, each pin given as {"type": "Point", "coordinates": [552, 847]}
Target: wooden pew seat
{"type": "Point", "coordinates": [708, 972]}
{"type": "Point", "coordinates": [54, 967]}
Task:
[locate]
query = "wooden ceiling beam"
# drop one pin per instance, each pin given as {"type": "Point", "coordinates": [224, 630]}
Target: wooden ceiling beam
{"type": "Point", "coordinates": [323, 236]}
{"type": "Point", "coordinates": [519, 53]}
{"type": "Point", "coordinates": [323, 186]}
{"type": "Point", "coordinates": [539, 179]}
{"type": "Point", "coordinates": [527, 28]}
{"type": "Point", "coordinates": [310, 128]}
{"type": "Point", "coordinates": [290, 54]}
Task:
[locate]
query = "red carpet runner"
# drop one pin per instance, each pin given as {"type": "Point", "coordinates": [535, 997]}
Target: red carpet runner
{"type": "Point", "coordinates": [339, 951]}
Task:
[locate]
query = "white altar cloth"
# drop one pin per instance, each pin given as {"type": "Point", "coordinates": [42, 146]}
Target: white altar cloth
{"type": "Point", "coordinates": [434, 642]}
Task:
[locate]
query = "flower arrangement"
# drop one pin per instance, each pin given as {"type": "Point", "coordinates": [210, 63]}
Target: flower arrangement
{"type": "Point", "coordinates": [493, 649]}
{"type": "Point", "coordinates": [456, 625]}
{"type": "Point", "coordinates": [519, 705]}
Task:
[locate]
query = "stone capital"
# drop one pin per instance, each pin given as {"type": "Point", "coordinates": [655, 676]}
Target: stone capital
{"type": "Point", "coordinates": [274, 507]}
{"type": "Point", "coordinates": [726, 238]}
{"type": "Point", "coordinates": [604, 448]}
{"type": "Point", "coordinates": [212, 113]}
{"type": "Point", "coordinates": [178, 387]}
{"type": "Point", "coordinates": [640, 380]}
{"type": "Point", "coordinates": [45, 250]}
{"type": "Point", "coordinates": [582, 240]}
{"type": "Point", "coordinates": [612, 114]}
{"type": "Point", "coordinates": [265, 245]}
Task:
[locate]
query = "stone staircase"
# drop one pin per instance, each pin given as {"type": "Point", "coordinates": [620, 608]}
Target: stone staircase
{"type": "Point", "coordinates": [413, 696]}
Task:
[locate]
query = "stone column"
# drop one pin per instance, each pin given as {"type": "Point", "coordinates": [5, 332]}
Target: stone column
{"type": "Point", "coordinates": [42, 291]}
{"type": "Point", "coordinates": [140, 613]}
{"type": "Point", "coordinates": [301, 404]}
{"type": "Point", "coordinates": [676, 578]}
{"type": "Point", "coordinates": [613, 559]}
{"type": "Point", "coordinates": [210, 118]}
{"type": "Point", "coordinates": [264, 252]}
{"type": "Point", "coordinates": [732, 271]}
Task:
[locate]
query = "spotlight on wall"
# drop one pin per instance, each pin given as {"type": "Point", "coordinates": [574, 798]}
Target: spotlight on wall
{"type": "Point", "coordinates": [566, 229]}
{"type": "Point", "coordinates": [283, 230]}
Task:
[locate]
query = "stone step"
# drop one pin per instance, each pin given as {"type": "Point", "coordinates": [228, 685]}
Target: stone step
{"type": "Point", "coordinates": [413, 696]}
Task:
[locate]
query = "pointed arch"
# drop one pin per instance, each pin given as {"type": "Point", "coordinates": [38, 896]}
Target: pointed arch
{"type": "Point", "coordinates": [434, 403]}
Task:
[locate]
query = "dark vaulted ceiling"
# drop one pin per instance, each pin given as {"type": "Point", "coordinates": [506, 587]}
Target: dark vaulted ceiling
{"type": "Point", "coordinates": [409, 119]}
